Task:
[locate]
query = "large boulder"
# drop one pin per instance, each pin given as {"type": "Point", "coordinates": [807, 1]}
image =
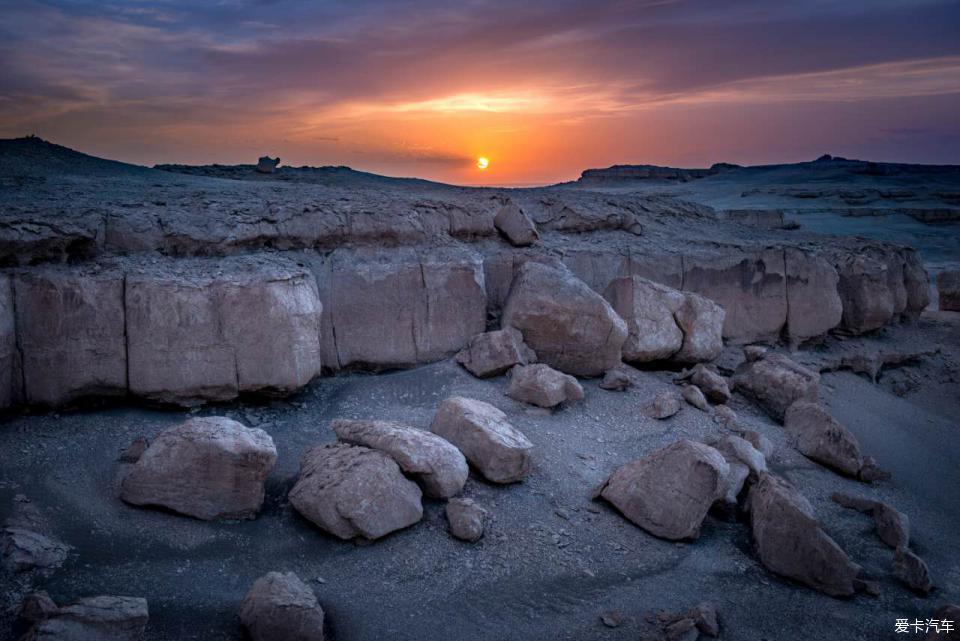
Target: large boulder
{"type": "Point", "coordinates": [948, 289]}
{"type": "Point", "coordinates": [669, 492]}
{"type": "Point", "coordinates": [540, 384]}
{"type": "Point", "coordinates": [822, 438]}
{"type": "Point", "coordinates": [864, 287]}
{"type": "Point", "coordinates": [493, 353]}
{"type": "Point", "coordinates": [209, 330]}
{"type": "Point", "coordinates": [352, 491]}
{"type": "Point", "coordinates": [814, 303]}
{"type": "Point", "coordinates": [71, 333]}
{"type": "Point", "coordinates": [499, 451]}
{"type": "Point", "coordinates": [99, 618]}
{"type": "Point", "coordinates": [775, 382]}
{"type": "Point", "coordinates": [791, 542]}
{"type": "Point", "coordinates": [437, 465]}
{"type": "Point", "coordinates": [281, 607]}
{"type": "Point", "coordinates": [567, 324]}
{"type": "Point", "coordinates": [209, 468]}
{"type": "Point", "coordinates": [516, 226]}
{"type": "Point", "coordinates": [664, 323]}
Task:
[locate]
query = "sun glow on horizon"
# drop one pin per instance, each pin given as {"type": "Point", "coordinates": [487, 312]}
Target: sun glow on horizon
{"type": "Point", "coordinates": [483, 162]}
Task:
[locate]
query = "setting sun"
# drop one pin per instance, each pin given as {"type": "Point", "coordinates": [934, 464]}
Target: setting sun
{"type": "Point", "coordinates": [483, 162]}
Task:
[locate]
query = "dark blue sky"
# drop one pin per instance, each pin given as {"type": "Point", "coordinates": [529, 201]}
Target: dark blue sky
{"type": "Point", "coordinates": [542, 88]}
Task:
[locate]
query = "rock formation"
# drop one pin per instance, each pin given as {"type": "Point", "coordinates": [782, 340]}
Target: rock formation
{"type": "Point", "coordinates": [540, 384]}
{"type": "Point", "coordinates": [775, 382]}
{"type": "Point", "coordinates": [493, 353]}
{"type": "Point", "coordinates": [822, 438]}
{"type": "Point", "coordinates": [281, 607]}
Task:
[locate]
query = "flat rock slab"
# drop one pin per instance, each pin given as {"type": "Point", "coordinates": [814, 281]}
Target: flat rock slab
{"type": "Point", "coordinates": [669, 492]}
{"type": "Point", "coordinates": [352, 491]}
{"type": "Point", "coordinates": [492, 445]}
{"type": "Point", "coordinates": [100, 618]}
{"type": "Point", "coordinates": [791, 542]}
{"type": "Point", "coordinates": [539, 384]}
{"type": "Point", "coordinates": [209, 468]}
{"type": "Point", "coordinates": [281, 607]}
{"type": "Point", "coordinates": [435, 463]}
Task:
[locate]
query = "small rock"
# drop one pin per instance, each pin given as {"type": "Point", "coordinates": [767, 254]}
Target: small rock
{"type": "Point", "coordinates": [493, 353]}
{"type": "Point", "coordinates": [133, 452]}
{"type": "Point", "coordinates": [693, 395]}
{"type": "Point", "coordinates": [281, 607]}
{"type": "Point", "coordinates": [616, 380]}
{"type": "Point", "coordinates": [267, 165]}
{"type": "Point", "coordinates": [541, 385]}
{"type": "Point", "coordinates": [911, 570]}
{"type": "Point", "coordinates": [759, 441]}
{"type": "Point", "coordinates": [870, 473]}
{"type": "Point", "coordinates": [612, 619]}
{"type": "Point", "coordinates": [664, 405]}
{"type": "Point", "coordinates": [725, 416]}
{"type": "Point", "coordinates": [100, 618]}
{"type": "Point", "coordinates": [25, 550]}
{"type": "Point", "coordinates": [713, 386]}
{"type": "Point", "coordinates": [466, 519]}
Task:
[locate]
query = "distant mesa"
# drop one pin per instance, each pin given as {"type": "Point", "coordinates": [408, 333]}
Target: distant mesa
{"type": "Point", "coordinates": [621, 173]}
{"type": "Point", "coordinates": [267, 165]}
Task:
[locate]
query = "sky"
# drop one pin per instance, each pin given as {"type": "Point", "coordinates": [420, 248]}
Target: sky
{"type": "Point", "coordinates": [542, 88]}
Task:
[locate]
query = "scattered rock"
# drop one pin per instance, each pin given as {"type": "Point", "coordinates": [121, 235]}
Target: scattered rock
{"type": "Point", "coordinates": [893, 526]}
{"type": "Point", "coordinates": [568, 325]}
{"type": "Point", "coordinates": [541, 385]}
{"type": "Point", "coordinates": [821, 438]}
{"type": "Point", "coordinates": [513, 223]}
{"type": "Point", "coordinates": [209, 468]}
{"type": "Point", "coordinates": [669, 492]}
{"type": "Point", "coordinates": [911, 570]}
{"type": "Point", "coordinates": [791, 542]}
{"type": "Point", "coordinates": [664, 405]}
{"type": "Point", "coordinates": [775, 382]}
{"type": "Point", "coordinates": [723, 415]}
{"type": "Point", "coordinates": [25, 550]}
{"type": "Point", "coordinates": [267, 165]}
{"type": "Point", "coordinates": [700, 620]}
{"type": "Point", "coordinates": [481, 431]}
{"type": "Point", "coordinates": [616, 380]}
{"type": "Point", "coordinates": [437, 465]}
{"type": "Point", "coordinates": [948, 288]}
{"type": "Point", "coordinates": [352, 491]}
{"type": "Point", "coordinates": [612, 619]}
{"type": "Point", "coordinates": [466, 518]}
{"type": "Point", "coordinates": [281, 607]}
{"type": "Point", "coordinates": [100, 618]}
{"type": "Point", "coordinates": [493, 353]}
{"type": "Point", "coordinates": [693, 395]}
{"type": "Point", "coordinates": [713, 386]}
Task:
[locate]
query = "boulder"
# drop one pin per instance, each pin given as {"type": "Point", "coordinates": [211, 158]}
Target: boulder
{"type": "Point", "coordinates": [733, 484]}
{"type": "Point", "coordinates": [701, 620]}
{"type": "Point", "coordinates": [516, 226]}
{"type": "Point", "coordinates": [665, 404]}
{"type": "Point", "coordinates": [948, 289]}
{"type": "Point", "coordinates": [713, 385]}
{"type": "Point", "coordinates": [352, 491]}
{"type": "Point", "coordinates": [648, 309]}
{"type": "Point", "coordinates": [864, 288]}
{"type": "Point", "coordinates": [568, 325]}
{"type": "Point", "coordinates": [760, 442]}
{"type": "Point", "coordinates": [99, 618]}
{"type": "Point", "coordinates": [736, 449]}
{"type": "Point", "coordinates": [701, 321]}
{"type": "Point", "coordinates": [434, 463]}
{"type": "Point", "coordinates": [208, 468]}
{"type": "Point", "coordinates": [281, 607]}
{"type": "Point", "coordinates": [493, 353]}
{"type": "Point", "coordinates": [71, 333]}
{"type": "Point", "coordinates": [25, 550]}
{"type": "Point", "coordinates": [669, 492]}
{"type": "Point", "coordinates": [821, 438]}
{"type": "Point", "coordinates": [791, 542]}
{"type": "Point", "coordinates": [893, 526]}
{"type": "Point", "coordinates": [11, 379]}
{"type": "Point", "coordinates": [499, 452]}
{"type": "Point", "coordinates": [616, 380]}
{"type": "Point", "coordinates": [775, 382]}
{"type": "Point", "coordinates": [911, 570]}
{"type": "Point", "coordinates": [267, 165]}
{"type": "Point", "coordinates": [814, 303]}
{"type": "Point", "coordinates": [541, 385]}
{"type": "Point", "coordinates": [693, 395]}
{"type": "Point", "coordinates": [466, 518]}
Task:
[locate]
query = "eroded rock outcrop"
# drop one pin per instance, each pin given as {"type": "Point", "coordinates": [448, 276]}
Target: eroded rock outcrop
{"type": "Point", "coordinates": [791, 542]}
{"type": "Point", "coordinates": [568, 325]}
{"type": "Point", "coordinates": [208, 468]}
{"type": "Point", "coordinates": [436, 464]}
{"type": "Point", "coordinates": [352, 491]}
{"type": "Point", "coordinates": [281, 607]}
{"type": "Point", "coordinates": [481, 431]}
{"type": "Point", "coordinates": [669, 492]}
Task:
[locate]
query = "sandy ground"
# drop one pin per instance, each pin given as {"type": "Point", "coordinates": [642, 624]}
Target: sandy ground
{"type": "Point", "coordinates": [552, 561]}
